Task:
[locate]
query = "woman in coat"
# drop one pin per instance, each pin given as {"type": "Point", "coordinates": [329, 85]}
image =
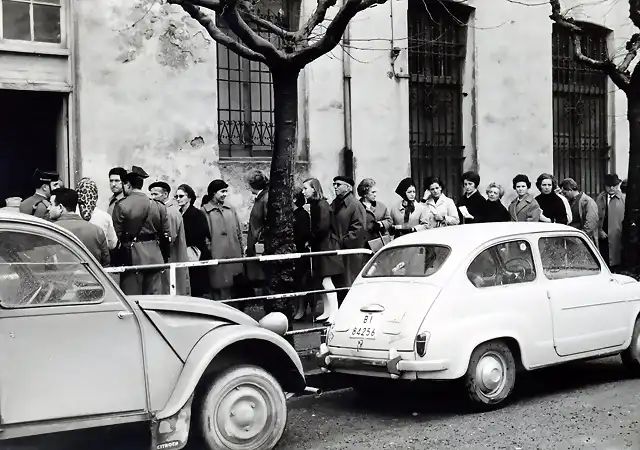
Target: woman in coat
{"type": "Point", "coordinates": [472, 204]}
{"type": "Point", "coordinates": [377, 218]}
{"type": "Point", "coordinates": [301, 236]}
{"type": "Point", "coordinates": [408, 215]}
{"type": "Point", "coordinates": [197, 236]}
{"type": "Point", "coordinates": [553, 209]}
{"type": "Point", "coordinates": [441, 207]}
{"type": "Point", "coordinates": [323, 237]}
{"type": "Point", "coordinates": [523, 208]}
{"type": "Point", "coordinates": [226, 240]}
{"type": "Point", "coordinates": [494, 210]}
{"type": "Point", "coordinates": [259, 185]}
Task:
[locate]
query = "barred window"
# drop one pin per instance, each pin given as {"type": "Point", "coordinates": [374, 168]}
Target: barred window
{"type": "Point", "coordinates": [580, 121]}
{"type": "Point", "coordinates": [437, 52]}
{"type": "Point", "coordinates": [245, 98]}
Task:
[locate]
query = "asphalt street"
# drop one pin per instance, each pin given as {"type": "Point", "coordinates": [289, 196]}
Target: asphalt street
{"type": "Point", "coordinates": [592, 405]}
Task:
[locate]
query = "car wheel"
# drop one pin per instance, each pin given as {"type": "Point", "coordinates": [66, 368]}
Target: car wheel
{"type": "Point", "coordinates": [244, 408]}
{"type": "Point", "coordinates": [631, 356]}
{"type": "Point", "coordinates": [491, 375]}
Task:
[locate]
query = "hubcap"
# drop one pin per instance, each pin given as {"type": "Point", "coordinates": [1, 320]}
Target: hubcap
{"type": "Point", "coordinates": [242, 414]}
{"type": "Point", "coordinates": [491, 374]}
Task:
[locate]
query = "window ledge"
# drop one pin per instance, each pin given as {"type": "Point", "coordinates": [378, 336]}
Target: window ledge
{"type": "Point", "coordinates": [33, 48]}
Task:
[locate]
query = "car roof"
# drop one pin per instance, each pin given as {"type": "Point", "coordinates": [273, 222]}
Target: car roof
{"type": "Point", "coordinates": [470, 236]}
{"type": "Point", "coordinates": [7, 216]}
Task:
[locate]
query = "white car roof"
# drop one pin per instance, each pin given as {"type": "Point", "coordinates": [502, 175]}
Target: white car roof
{"type": "Point", "coordinates": [470, 236]}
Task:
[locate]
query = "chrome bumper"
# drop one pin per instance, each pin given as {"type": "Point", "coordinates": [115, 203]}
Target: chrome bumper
{"type": "Point", "coordinates": [394, 365]}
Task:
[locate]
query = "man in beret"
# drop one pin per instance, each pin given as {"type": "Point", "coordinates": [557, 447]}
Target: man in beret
{"type": "Point", "coordinates": [142, 227]}
{"type": "Point", "coordinates": [38, 204]}
{"type": "Point", "coordinates": [350, 227]}
{"type": "Point", "coordinates": [161, 191]}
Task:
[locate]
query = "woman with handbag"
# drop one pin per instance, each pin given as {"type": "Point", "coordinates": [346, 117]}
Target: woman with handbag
{"type": "Point", "coordinates": [323, 238]}
{"type": "Point", "coordinates": [197, 236]}
{"type": "Point", "coordinates": [377, 217]}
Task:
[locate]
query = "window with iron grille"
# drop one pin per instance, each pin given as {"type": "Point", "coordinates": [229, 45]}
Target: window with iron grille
{"type": "Point", "coordinates": [580, 95]}
{"type": "Point", "coordinates": [245, 99]}
{"type": "Point", "coordinates": [437, 49]}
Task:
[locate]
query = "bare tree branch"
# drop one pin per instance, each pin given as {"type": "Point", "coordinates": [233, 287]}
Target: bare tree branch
{"type": "Point", "coordinates": [214, 5]}
{"type": "Point", "coordinates": [633, 45]}
{"type": "Point", "coordinates": [207, 22]}
{"type": "Point", "coordinates": [252, 17]}
{"type": "Point", "coordinates": [618, 75]}
{"type": "Point", "coordinates": [249, 37]}
{"type": "Point", "coordinates": [316, 18]}
{"type": "Point", "coordinates": [334, 31]}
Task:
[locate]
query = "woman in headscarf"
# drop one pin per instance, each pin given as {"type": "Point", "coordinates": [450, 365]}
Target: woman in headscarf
{"type": "Point", "coordinates": [226, 240]}
{"type": "Point", "coordinates": [408, 215]}
{"type": "Point", "coordinates": [87, 200]}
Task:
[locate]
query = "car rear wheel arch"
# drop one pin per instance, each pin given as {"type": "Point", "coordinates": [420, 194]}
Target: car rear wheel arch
{"type": "Point", "coordinates": [514, 347]}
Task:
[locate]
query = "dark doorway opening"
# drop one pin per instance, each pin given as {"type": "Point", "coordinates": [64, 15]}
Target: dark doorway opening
{"type": "Point", "coordinates": [29, 139]}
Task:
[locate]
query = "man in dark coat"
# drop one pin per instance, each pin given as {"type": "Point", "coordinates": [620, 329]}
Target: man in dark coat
{"type": "Point", "coordinates": [38, 204]}
{"type": "Point", "coordinates": [64, 202]}
{"type": "Point", "coordinates": [142, 225]}
{"type": "Point", "coordinates": [349, 216]}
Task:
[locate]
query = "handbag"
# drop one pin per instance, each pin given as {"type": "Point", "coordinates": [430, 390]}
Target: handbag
{"type": "Point", "coordinates": [379, 242]}
{"type": "Point", "coordinates": [193, 253]}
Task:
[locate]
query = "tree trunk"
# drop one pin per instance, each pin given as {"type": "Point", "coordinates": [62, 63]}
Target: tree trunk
{"type": "Point", "coordinates": [630, 237]}
{"type": "Point", "coordinates": [279, 226]}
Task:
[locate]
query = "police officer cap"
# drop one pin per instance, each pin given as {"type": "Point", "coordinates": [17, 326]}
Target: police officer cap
{"type": "Point", "coordinates": [136, 172]}
{"type": "Point", "coordinates": [161, 185]}
{"type": "Point", "coordinates": [45, 177]}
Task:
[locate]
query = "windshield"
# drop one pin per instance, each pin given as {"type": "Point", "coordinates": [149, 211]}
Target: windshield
{"type": "Point", "coordinates": [408, 261]}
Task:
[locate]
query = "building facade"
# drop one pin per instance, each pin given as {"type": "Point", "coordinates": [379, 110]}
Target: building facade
{"type": "Point", "coordinates": [418, 88]}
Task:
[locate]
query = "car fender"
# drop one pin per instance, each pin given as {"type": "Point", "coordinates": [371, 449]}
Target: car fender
{"type": "Point", "coordinates": [205, 351]}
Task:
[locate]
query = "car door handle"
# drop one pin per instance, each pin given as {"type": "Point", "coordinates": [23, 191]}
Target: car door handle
{"type": "Point", "coordinates": [123, 314]}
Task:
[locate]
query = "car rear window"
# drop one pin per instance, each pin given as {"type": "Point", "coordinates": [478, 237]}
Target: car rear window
{"type": "Point", "coordinates": [407, 261]}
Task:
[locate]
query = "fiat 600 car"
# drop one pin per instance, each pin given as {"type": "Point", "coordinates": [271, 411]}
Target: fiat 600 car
{"type": "Point", "coordinates": [478, 303]}
{"type": "Point", "coordinates": [75, 352]}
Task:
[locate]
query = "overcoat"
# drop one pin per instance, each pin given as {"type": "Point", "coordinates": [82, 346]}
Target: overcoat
{"type": "Point", "coordinates": [614, 223]}
{"type": "Point", "coordinates": [350, 228]}
{"type": "Point", "coordinates": [196, 230]}
{"type": "Point", "coordinates": [257, 220]}
{"type": "Point", "coordinates": [525, 210]}
{"type": "Point", "coordinates": [226, 242]}
{"type": "Point", "coordinates": [322, 237]}
{"type": "Point", "coordinates": [178, 251]}
{"type": "Point", "coordinates": [378, 212]}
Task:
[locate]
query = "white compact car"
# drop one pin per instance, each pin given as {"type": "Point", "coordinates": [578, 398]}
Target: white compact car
{"type": "Point", "coordinates": [480, 302]}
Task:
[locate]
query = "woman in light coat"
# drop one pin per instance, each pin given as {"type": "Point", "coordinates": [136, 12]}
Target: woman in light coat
{"type": "Point", "coordinates": [441, 207]}
{"type": "Point", "coordinates": [524, 208]}
{"type": "Point", "coordinates": [409, 216]}
{"type": "Point", "coordinates": [377, 217]}
{"type": "Point", "coordinates": [226, 240]}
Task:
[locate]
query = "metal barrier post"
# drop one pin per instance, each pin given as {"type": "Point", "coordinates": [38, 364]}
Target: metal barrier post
{"type": "Point", "coordinates": [173, 288]}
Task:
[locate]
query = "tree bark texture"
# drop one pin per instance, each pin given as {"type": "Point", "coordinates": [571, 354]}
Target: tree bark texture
{"type": "Point", "coordinates": [630, 235]}
{"type": "Point", "coordinates": [279, 226]}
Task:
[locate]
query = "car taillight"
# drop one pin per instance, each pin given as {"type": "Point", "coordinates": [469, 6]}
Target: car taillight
{"type": "Point", "coordinates": [421, 343]}
{"type": "Point", "coordinates": [323, 335]}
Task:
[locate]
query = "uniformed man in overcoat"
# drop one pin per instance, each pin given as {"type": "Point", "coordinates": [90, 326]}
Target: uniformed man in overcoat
{"type": "Point", "coordinates": [142, 225]}
{"type": "Point", "coordinates": [38, 204]}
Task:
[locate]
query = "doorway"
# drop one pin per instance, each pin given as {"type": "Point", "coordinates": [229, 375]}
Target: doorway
{"type": "Point", "coordinates": [33, 135]}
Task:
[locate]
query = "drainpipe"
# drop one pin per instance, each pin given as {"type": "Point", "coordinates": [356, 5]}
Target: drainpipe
{"type": "Point", "coordinates": [347, 151]}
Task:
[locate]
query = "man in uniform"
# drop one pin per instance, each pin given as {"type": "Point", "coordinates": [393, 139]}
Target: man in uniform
{"type": "Point", "coordinates": [38, 204]}
{"type": "Point", "coordinates": [160, 191]}
{"type": "Point", "coordinates": [142, 226]}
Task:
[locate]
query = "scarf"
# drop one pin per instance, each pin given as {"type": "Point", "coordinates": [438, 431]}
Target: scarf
{"type": "Point", "coordinates": [87, 197]}
{"type": "Point", "coordinates": [408, 205]}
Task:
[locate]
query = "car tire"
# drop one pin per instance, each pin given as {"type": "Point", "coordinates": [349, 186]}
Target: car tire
{"type": "Point", "coordinates": [244, 408]}
{"type": "Point", "coordinates": [491, 376]}
{"type": "Point", "coordinates": [631, 356]}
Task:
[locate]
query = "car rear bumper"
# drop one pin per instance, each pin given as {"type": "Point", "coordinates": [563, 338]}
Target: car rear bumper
{"type": "Point", "coordinates": [392, 364]}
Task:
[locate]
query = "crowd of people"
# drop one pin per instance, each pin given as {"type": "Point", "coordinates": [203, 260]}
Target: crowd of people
{"type": "Point", "coordinates": [155, 228]}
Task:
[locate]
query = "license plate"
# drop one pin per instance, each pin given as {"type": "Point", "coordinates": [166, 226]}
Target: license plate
{"type": "Point", "coordinates": [364, 329]}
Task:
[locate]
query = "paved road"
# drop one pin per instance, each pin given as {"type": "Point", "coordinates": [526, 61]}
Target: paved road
{"type": "Point", "coordinates": [583, 406]}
